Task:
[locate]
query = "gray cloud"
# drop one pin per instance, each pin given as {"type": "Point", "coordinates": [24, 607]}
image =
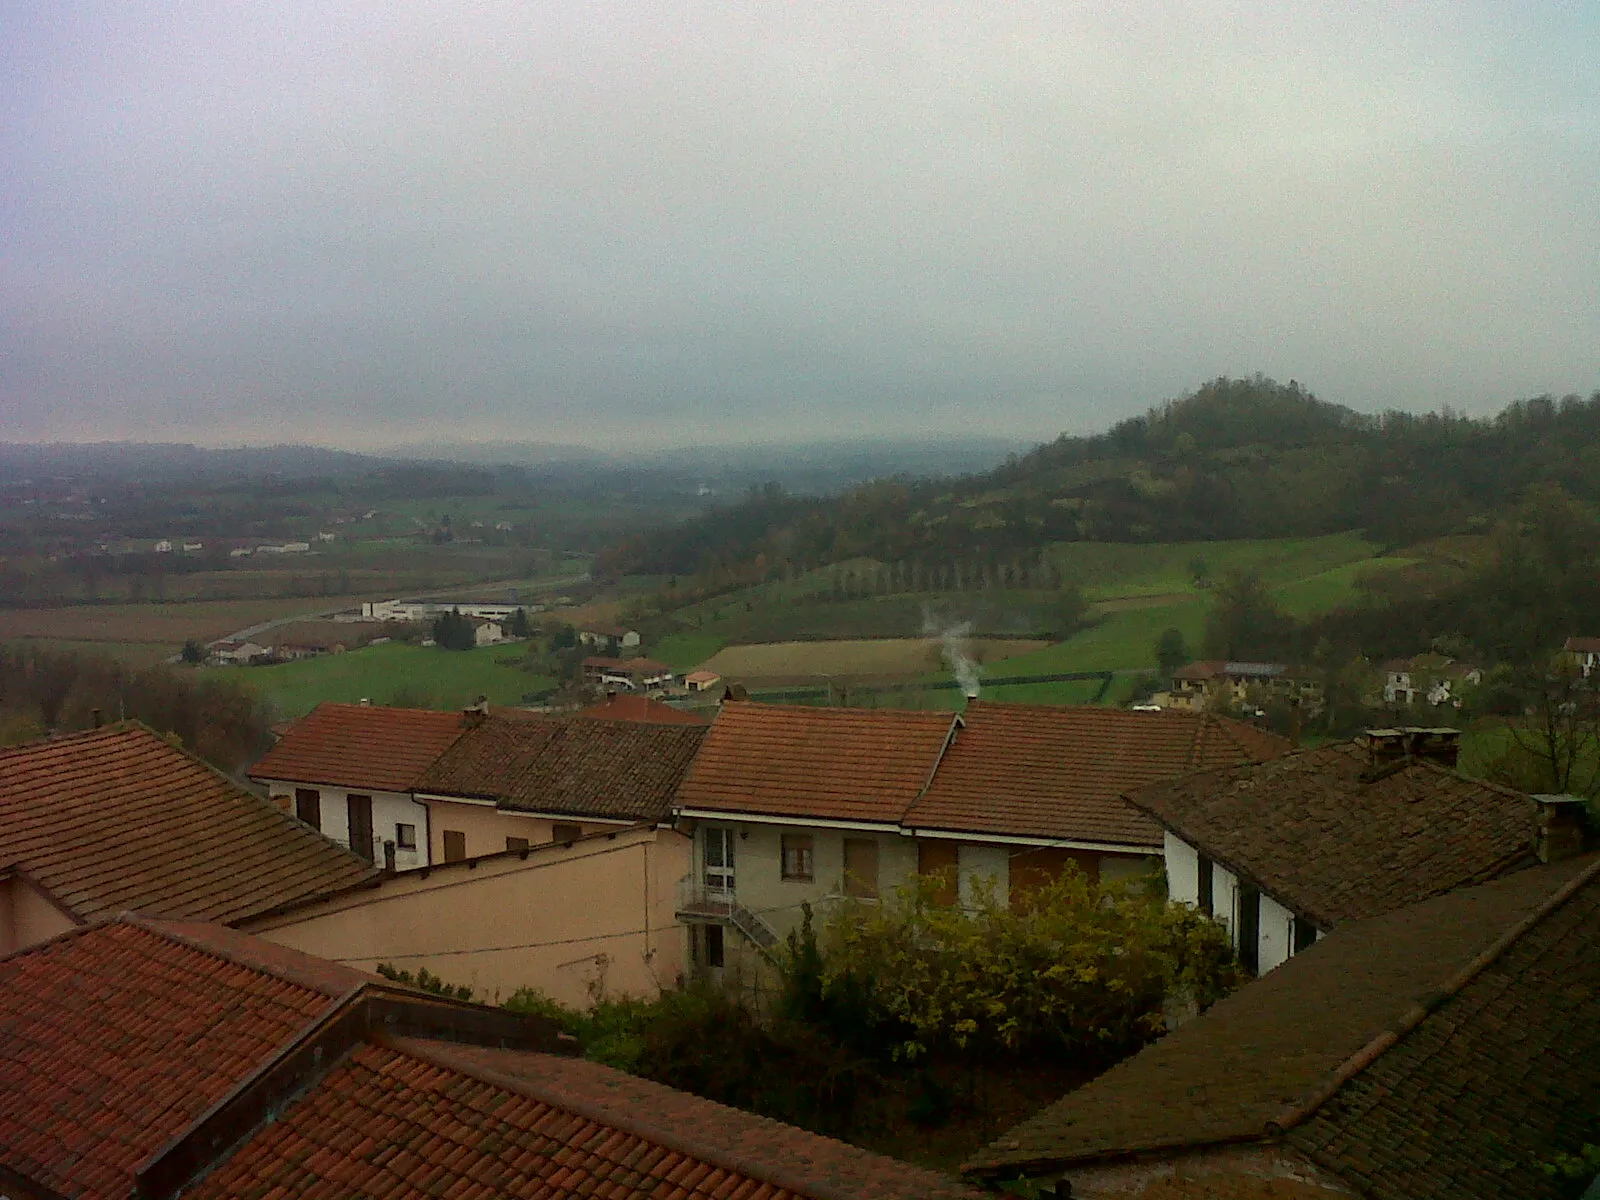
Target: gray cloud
{"type": "Point", "coordinates": [723, 222]}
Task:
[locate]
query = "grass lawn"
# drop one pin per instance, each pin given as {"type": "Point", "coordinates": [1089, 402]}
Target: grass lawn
{"type": "Point", "coordinates": [1122, 639]}
{"type": "Point", "coordinates": [440, 678]}
{"type": "Point", "coordinates": [1103, 569]}
{"type": "Point", "coordinates": [686, 650]}
{"type": "Point", "coordinates": [1330, 589]}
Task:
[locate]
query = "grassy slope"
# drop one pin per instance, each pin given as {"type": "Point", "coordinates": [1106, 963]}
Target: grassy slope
{"type": "Point", "coordinates": [443, 678]}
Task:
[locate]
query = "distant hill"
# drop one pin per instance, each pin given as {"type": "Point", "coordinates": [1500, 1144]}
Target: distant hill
{"type": "Point", "coordinates": [1237, 458]}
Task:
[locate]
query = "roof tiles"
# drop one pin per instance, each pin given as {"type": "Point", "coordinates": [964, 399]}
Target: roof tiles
{"type": "Point", "coordinates": [1334, 838]}
{"type": "Point", "coordinates": [120, 819]}
{"type": "Point", "coordinates": [851, 764]}
{"type": "Point", "coordinates": [361, 746]}
{"type": "Point", "coordinates": [1059, 772]}
{"type": "Point", "coordinates": [623, 770]}
{"type": "Point", "coordinates": [1263, 1054]}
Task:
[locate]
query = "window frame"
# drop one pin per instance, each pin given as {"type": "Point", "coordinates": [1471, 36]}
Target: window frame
{"type": "Point", "coordinates": [797, 857]}
{"type": "Point", "coordinates": [401, 842]}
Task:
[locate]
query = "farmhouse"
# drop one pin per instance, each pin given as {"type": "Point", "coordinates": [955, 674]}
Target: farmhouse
{"type": "Point", "coordinates": [212, 1064]}
{"type": "Point", "coordinates": [238, 654]}
{"type": "Point", "coordinates": [609, 639]}
{"type": "Point", "coordinates": [792, 804]}
{"type": "Point", "coordinates": [1449, 1048]}
{"type": "Point", "coordinates": [348, 770]}
{"type": "Point", "coordinates": [627, 674]}
{"type": "Point", "coordinates": [1583, 653]}
{"type": "Point", "coordinates": [701, 681]}
{"type": "Point", "coordinates": [1202, 685]}
{"type": "Point", "coordinates": [116, 819]}
{"type": "Point", "coordinates": [1284, 851]}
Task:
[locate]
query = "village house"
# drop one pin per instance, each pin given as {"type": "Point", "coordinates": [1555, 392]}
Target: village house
{"type": "Point", "coordinates": [486, 632]}
{"type": "Point", "coordinates": [238, 654]}
{"type": "Point", "coordinates": [1432, 679]}
{"type": "Point", "coordinates": [348, 771]}
{"type": "Point", "coordinates": [1583, 653]}
{"type": "Point", "coordinates": [1449, 1048]}
{"type": "Point", "coordinates": [552, 864]}
{"type": "Point", "coordinates": [627, 674]}
{"type": "Point", "coordinates": [116, 819]}
{"type": "Point", "coordinates": [1284, 851]}
{"type": "Point", "coordinates": [213, 1064]}
{"type": "Point", "coordinates": [609, 639]}
{"type": "Point", "coordinates": [1214, 683]}
{"type": "Point", "coordinates": [792, 805]}
{"type": "Point", "coordinates": [701, 681]}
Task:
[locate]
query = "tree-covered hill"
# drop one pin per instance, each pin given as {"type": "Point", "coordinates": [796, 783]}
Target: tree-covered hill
{"type": "Point", "coordinates": [1238, 458]}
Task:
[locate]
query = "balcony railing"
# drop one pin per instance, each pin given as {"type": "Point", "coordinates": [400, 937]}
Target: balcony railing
{"type": "Point", "coordinates": [698, 900]}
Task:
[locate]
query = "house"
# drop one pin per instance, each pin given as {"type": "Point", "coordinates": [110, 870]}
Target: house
{"type": "Point", "coordinates": [213, 1064]}
{"type": "Point", "coordinates": [1450, 1048]}
{"type": "Point", "coordinates": [240, 552]}
{"type": "Point", "coordinates": [239, 654]}
{"type": "Point", "coordinates": [1201, 685]}
{"type": "Point", "coordinates": [348, 770]}
{"type": "Point", "coordinates": [1431, 678]}
{"type": "Point", "coordinates": [1282, 852]}
{"type": "Point", "coordinates": [609, 639]}
{"type": "Point", "coordinates": [1583, 653]}
{"type": "Point", "coordinates": [517, 779]}
{"type": "Point", "coordinates": [487, 633]}
{"type": "Point", "coordinates": [119, 818]}
{"type": "Point", "coordinates": [792, 805]}
{"type": "Point", "coordinates": [192, 547]}
{"type": "Point", "coordinates": [163, 547]}
{"type": "Point", "coordinates": [626, 706]}
{"type": "Point", "coordinates": [627, 674]}
{"type": "Point", "coordinates": [701, 681]}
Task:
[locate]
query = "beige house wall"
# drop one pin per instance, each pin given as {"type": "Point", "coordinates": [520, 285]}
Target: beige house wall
{"type": "Point", "coordinates": [573, 922]}
{"type": "Point", "coordinates": [27, 915]}
{"type": "Point", "coordinates": [487, 827]}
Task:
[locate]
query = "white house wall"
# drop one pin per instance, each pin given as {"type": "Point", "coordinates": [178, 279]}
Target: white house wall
{"type": "Point", "coordinates": [1183, 870]}
{"type": "Point", "coordinates": [388, 810]}
{"type": "Point", "coordinates": [1276, 941]}
{"type": "Point", "coordinates": [983, 863]}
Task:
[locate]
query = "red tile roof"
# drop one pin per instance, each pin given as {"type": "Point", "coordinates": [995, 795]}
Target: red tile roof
{"type": "Point", "coordinates": [1268, 1056]}
{"type": "Point", "coordinates": [120, 819]}
{"type": "Point", "coordinates": [1059, 772]}
{"type": "Point", "coordinates": [629, 706]}
{"type": "Point", "coordinates": [118, 1036]}
{"type": "Point", "coordinates": [623, 770]}
{"type": "Point", "coordinates": [853, 764]}
{"type": "Point", "coordinates": [1335, 838]}
{"type": "Point", "coordinates": [406, 1117]}
{"type": "Point", "coordinates": [360, 746]}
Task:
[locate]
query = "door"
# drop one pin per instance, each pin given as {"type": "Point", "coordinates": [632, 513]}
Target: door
{"type": "Point", "coordinates": [308, 806]}
{"type": "Point", "coordinates": [360, 811]}
{"type": "Point", "coordinates": [1249, 940]}
{"type": "Point", "coordinates": [719, 862]}
{"type": "Point", "coordinates": [861, 868]}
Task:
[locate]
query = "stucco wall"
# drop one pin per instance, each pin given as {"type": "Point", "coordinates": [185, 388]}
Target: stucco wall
{"type": "Point", "coordinates": [567, 921]}
{"type": "Point", "coordinates": [1276, 942]}
{"type": "Point", "coordinates": [487, 828]}
{"type": "Point", "coordinates": [26, 916]}
{"type": "Point", "coordinates": [1183, 870]}
{"type": "Point", "coordinates": [388, 810]}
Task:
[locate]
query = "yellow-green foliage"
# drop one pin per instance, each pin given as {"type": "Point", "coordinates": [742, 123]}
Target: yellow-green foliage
{"type": "Point", "coordinates": [1079, 968]}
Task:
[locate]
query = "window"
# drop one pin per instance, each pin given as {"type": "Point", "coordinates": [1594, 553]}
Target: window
{"type": "Point", "coordinates": [455, 845]}
{"type": "Point", "coordinates": [718, 859]}
{"type": "Point", "coordinates": [308, 806]}
{"type": "Point", "coordinates": [560, 832]}
{"type": "Point", "coordinates": [1203, 902]}
{"type": "Point", "coordinates": [1249, 940]}
{"type": "Point", "coordinates": [1303, 933]}
{"type": "Point", "coordinates": [714, 947]}
{"type": "Point", "coordinates": [861, 868]}
{"type": "Point", "coordinates": [405, 837]}
{"type": "Point", "coordinates": [517, 844]}
{"type": "Point", "coordinates": [797, 862]}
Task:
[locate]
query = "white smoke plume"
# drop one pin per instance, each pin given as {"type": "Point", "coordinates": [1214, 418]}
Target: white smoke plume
{"type": "Point", "coordinates": [956, 648]}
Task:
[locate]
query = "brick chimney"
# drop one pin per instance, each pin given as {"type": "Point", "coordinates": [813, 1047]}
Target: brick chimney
{"type": "Point", "coordinates": [1439, 745]}
{"type": "Point", "coordinates": [1559, 827]}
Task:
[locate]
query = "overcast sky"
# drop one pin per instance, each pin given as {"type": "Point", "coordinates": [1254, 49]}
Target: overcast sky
{"type": "Point", "coordinates": [367, 223]}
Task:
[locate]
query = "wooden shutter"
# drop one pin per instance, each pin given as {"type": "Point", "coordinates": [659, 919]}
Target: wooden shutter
{"type": "Point", "coordinates": [861, 867]}
{"type": "Point", "coordinates": [455, 845]}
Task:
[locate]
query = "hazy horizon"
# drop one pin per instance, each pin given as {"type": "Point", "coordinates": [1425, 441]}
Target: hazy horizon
{"type": "Point", "coordinates": [706, 224]}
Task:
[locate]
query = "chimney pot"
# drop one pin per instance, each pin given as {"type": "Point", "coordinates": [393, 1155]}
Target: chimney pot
{"type": "Point", "coordinates": [1559, 827]}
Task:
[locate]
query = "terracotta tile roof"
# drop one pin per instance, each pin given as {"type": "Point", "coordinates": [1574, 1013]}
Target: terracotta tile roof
{"type": "Point", "coordinates": [627, 706]}
{"type": "Point", "coordinates": [1582, 645]}
{"type": "Point", "coordinates": [617, 769]}
{"type": "Point", "coordinates": [1059, 772]}
{"type": "Point", "coordinates": [120, 819]}
{"type": "Point", "coordinates": [1501, 1077]}
{"type": "Point", "coordinates": [1334, 840]}
{"type": "Point", "coordinates": [1265, 1057]}
{"type": "Point", "coordinates": [410, 1118]}
{"type": "Point", "coordinates": [831, 763]}
{"type": "Point", "coordinates": [118, 1036]}
{"type": "Point", "coordinates": [360, 746]}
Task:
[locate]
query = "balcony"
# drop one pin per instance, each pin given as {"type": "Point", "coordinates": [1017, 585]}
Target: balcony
{"type": "Point", "coordinates": [698, 902]}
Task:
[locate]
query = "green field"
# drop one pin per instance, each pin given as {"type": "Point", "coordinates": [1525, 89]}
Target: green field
{"type": "Point", "coordinates": [686, 650]}
{"type": "Point", "coordinates": [422, 674]}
